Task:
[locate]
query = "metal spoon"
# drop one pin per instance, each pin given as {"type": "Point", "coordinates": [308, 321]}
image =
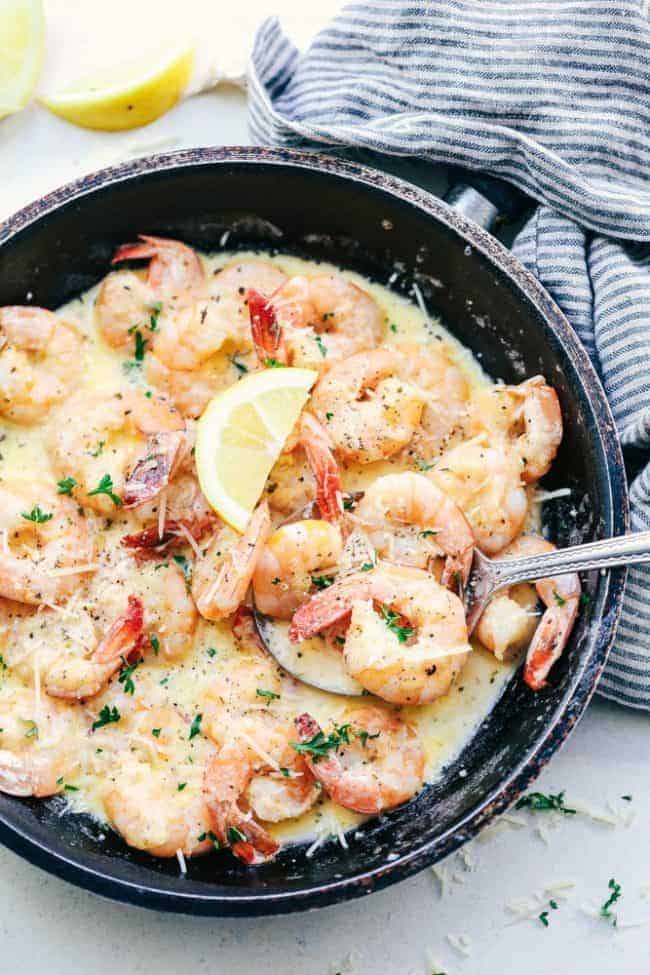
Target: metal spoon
{"type": "Point", "coordinates": [324, 668]}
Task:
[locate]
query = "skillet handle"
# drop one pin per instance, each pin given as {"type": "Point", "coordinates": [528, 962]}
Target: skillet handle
{"type": "Point", "coordinates": [486, 200]}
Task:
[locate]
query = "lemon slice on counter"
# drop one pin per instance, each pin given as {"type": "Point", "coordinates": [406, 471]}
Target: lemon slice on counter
{"type": "Point", "coordinates": [128, 95]}
{"type": "Point", "coordinates": [21, 52]}
{"type": "Point", "coordinates": [241, 435]}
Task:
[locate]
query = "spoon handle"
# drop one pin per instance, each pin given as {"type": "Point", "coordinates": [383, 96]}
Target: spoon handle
{"type": "Point", "coordinates": [604, 554]}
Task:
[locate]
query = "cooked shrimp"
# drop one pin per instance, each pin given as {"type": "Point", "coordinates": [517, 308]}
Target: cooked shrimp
{"type": "Point", "coordinates": [446, 393]}
{"type": "Point", "coordinates": [122, 615]}
{"type": "Point", "coordinates": [314, 321]}
{"type": "Point", "coordinates": [99, 438]}
{"type": "Point", "coordinates": [369, 412]}
{"type": "Point", "coordinates": [39, 743]}
{"type": "Point", "coordinates": [257, 775]}
{"type": "Point", "coordinates": [153, 795]}
{"type": "Point", "coordinates": [484, 480]}
{"type": "Point", "coordinates": [174, 268]}
{"type": "Point", "coordinates": [178, 513]}
{"type": "Point", "coordinates": [164, 455]}
{"type": "Point", "coordinates": [241, 688]}
{"type": "Point", "coordinates": [378, 763]}
{"type": "Point", "coordinates": [561, 597]}
{"type": "Point", "coordinates": [316, 443]}
{"type": "Point", "coordinates": [47, 548]}
{"type": "Point", "coordinates": [412, 650]}
{"type": "Point", "coordinates": [189, 390]}
{"type": "Point", "coordinates": [125, 303]}
{"type": "Point", "coordinates": [41, 356]}
{"type": "Point", "coordinates": [528, 416]}
{"type": "Point", "coordinates": [223, 574]}
{"type": "Point", "coordinates": [410, 520]}
{"type": "Point", "coordinates": [291, 558]}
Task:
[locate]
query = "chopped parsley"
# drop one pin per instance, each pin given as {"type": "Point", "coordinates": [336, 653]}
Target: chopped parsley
{"type": "Point", "coordinates": [545, 803]}
{"type": "Point", "coordinates": [210, 836]}
{"type": "Point", "coordinates": [558, 599]}
{"type": "Point", "coordinates": [322, 582]}
{"type": "Point", "coordinates": [393, 327]}
{"type": "Point", "coordinates": [156, 309]}
{"type": "Point", "coordinates": [424, 465]}
{"type": "Point", "coordinates": [321, 346]}
{"type": "Point", "coordinates": [32, 731]}
{"type": "Point", "coordinates": [365, 736]}
{"type": "Point", "coordinates": [126, 676]}
{"type": "Point", "coordinates": [235, 835]}
{"type": "Point", "coordinates": [543, 917]}
{"type": "Point", "coordinates": [140, 345]}
{"type": "Point", "coordinates": [36, 515]}
{"type": "Point", "coordinates": [392, 621]}
{"type": "Point", "coordinates": [328, 315]}
{"type": "Point", "coordinates": [272, 363]}
{"type": "Point", "coordinates": [71, 788]}
{"type": "Point", "coordinates": [66, 485]}
{"type": "Point", "coordinates": [367, 566]}
{"type": "Point", "coordinates": [211, 652]}
{"type": "Point", "coordinates": [320, 745]}
{"type": "Point", "coordinates": [181, 786]}
{"type": "Point", "coordinates": [106, 716]}
{"type": "Point", "coordinates": [97, 451]}
{"type": "Point", "coordinates": [427, 533]}
{"type": "Point", "coordinates": [627, 798]}
{"type": "Point", "coordinates": [605, 910]}
{"type": "Point", "coordinates": [239, 366]}
{"type": "Point", "coordinates": [348, 503]}
{"type": "Point", "coordinates": [105, 486]}
{"type": "Point", "coordinates": [185, 566]}
{"type": "Point", "coordinates": [328, 416]}
{"type": "Point", "coordinates": [267, 695]}
{"type": "Point", "coordinates": [285, 772]}
{"type": "Point", "coordinates": [195, 727]}
{"type": "Point", "coordinates": [156, 732]}
{"type": "Point", "coordinates": [155, 643]}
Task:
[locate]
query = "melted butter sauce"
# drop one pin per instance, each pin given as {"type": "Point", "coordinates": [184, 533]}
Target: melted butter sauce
{"type": "Point", "coordinates": [445, 726]}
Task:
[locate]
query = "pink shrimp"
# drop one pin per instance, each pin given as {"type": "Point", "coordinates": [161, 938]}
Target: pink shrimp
{"type": "Point", "coordinates": [173, 266]}
{"type": "Point", "coordinates": [318, 449]}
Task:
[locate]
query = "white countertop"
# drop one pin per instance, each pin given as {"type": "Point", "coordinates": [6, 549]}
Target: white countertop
{"type": "Point", "coordinates": [45, 924]}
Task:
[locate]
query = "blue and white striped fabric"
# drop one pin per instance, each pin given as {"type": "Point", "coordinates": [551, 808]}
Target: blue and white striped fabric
{"type": "Point", "coordinates": [552, 95]}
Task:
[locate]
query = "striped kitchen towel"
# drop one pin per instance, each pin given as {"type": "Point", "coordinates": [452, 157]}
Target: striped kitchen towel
{"type": "Point", "coordinates": [552, 95]}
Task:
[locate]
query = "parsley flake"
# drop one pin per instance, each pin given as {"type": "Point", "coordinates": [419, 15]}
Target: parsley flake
{"type": "Point", "coordinates": [543, 803]}
{"type": "Point", "coordinates": [424, 465]}
{"type": "Point", "coordinates": [391, 620]}
{"type": "Point", "coordinates": [106, 716]}
{"type": "Point", "coordinates": [272, 363]}
{"type": "Point", "coordinates": [126, 676]}
{"type": "Point", "coordinates": [322, 582]}
{"type": "Point", "coordinates": [320, 745]}
{"type": "Point", "coordinates": [66, 485]}
{"type": "Point", "coordinates": [268, 695]}
{"type": "Point", "coordinates": [156, 732]}
{"type": "Point", "coordinates": [321, 346]}
{"type": "Point", "coordinates": [558, 599]}
{"type": "Point", "coordinates": [235, 836]}
{"type": "Point", "coordinates": [181, 786]}
{"type": "Point", "coordinates": [140, 345]}
{"type": "Point", "coordinates": [195, 727]}
{"type": "Point", "coordinates": [36, 515]}
{"type": "Point", "coordinates": [605, 910]}
{"type": "Point", "coordinates": [155, 643]}
{"type": "Point", "coordinates": [105, 486]}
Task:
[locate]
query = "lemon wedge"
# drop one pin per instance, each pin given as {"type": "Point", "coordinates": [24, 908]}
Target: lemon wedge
{"type": "Point", "coordinates": [127, 96]}
{"type": "Point", "coordinates": [241, 434]}
{"type": "Point", "coordinates": [21, 52]}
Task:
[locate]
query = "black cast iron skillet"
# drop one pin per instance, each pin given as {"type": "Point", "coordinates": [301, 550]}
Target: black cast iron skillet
{"type": "Point", "coordinates": [326, 208]}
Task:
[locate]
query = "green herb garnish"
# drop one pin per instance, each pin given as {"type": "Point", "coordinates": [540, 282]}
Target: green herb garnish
{"type": "Point", "coordinates": [321, 347]}
{"type": "Point", "coordinates": [543, 803]}
{"type": "Point", "coordinates": [268, 695]}
{"type": "Point", "coordinates": [105, 486]}
{"type": "Point", "coordinates": [391, 620]}
{"type": "Point", "coordinates": [322, 582]}
{"type": "Point", "coordinates": [98, 449]}
{"type": "Point", "coordinates": [155, 643]}
{"type": "Point", "coordinates": [126, 676]}
{"type": "Point", "coordinates": [106, 716]}
{"type": "Point", "coordinates": [558, 599]}
{"type": "Point", "coordinates": [66, 485]}
{"type": "Point", "coordinates": [235, 836]}
{"type": "Point", "coordinates": [272, 363]}
{"type": "Point", "coordinates": [36, 515]}
{"type": "Point", "coordinates": [140, 345]}
{"type": "Point", "coordinates": [181, 786]}
{"type": "Point", "coordinates": [239, 366]}
{"type": "Point", "coordinates": [195, 727]}
{"type": "Point", "coordinates": [605, 910]}
{"type": "Point", "coordinates": [156, 732]}
{"type": "Point", "coordinates": [424, 465]}
{"type": "Point", "coordinates": [320, 745]}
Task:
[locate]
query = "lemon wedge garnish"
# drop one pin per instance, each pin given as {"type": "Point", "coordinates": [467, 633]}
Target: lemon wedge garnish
{"type": "Point", "coordinates": [21, 52]}
{"type": "Point", "coordinates": [127, 96]}
{"type": "Point", "coordinates": [241, 434]}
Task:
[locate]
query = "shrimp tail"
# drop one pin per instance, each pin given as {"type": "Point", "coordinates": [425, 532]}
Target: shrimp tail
{"type": "Point", "coordinates": [265, 329]}
{"type": "Point", "coordinates": [133, 252]}
{"type": "Point", "coordinates": [151, 544]}
{"type": "Point", "coordinates": [124, 635]}
{"type": "Point", "coordinates": [548, 642]}
{"type": "Point", "coordinates": [256, 845]}
{"type": "Point", "coordinates": [172, 263]}
{"type": "Point", "coordinates": [317, 446]}
{"type": "Point", "coordinates": [165, 452]}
